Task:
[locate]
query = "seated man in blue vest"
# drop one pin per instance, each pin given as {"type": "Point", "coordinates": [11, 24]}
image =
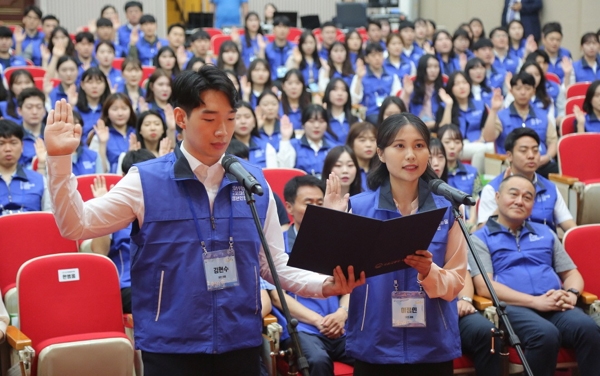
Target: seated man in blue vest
{"type": "Point", "coordinates": [21, 190]}
{"type": "Point", "coordinates": [195, 253]}
{"type": "Point", "coordinates": [522, 113]}
{"type": "Point", "coordinates": [523, 153]}
{"type": "Point", "coordinates": [533, 274]}
{"type": "Point", "coordinates": [31, 108]}
{"type": "Point", "coordinates": [321, 321]}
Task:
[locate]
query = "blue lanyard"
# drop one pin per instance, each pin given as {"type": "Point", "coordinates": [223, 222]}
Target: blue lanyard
{"type": "Point", "coordinates": [197, 223]}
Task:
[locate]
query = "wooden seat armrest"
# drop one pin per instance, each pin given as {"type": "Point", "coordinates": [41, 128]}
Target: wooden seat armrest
{"type": "Point", "coordinates": [564, 179]}
{"type": "Point", "coordinates": [480, 303]}
{"type": "Point", "coordinates": [16, 339]}
{"type": "Point", "coordinates": [269, 319]}
{"type": "Point", "coordinates": [500, 157]}
{"type": "Point", "coordinates": [588, 297]}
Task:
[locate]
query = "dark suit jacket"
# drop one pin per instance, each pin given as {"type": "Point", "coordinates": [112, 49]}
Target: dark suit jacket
{"type": "Point", "coordinates": [530, 17]}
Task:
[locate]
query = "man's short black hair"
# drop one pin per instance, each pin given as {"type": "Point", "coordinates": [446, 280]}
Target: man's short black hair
{"type": "Point", "coordinates": [199, 34]}
{"type": "Point", "coordinates": [34, 9]}
{"type": "Point", "coordinates": [171, 27]}
{"type": "Point", "coordinates": [516, 134]}
{"type": "Point", "coordinates": [524, 77]}
{"type": "Point", "coordinates": [50, 17]}
{"type": "Point", "coordinates": [9, 128]}
{"type": "Point", "coordinates": [147, 18]}
{"type": "Point", "coordinates": [130, 4]}
{"type": "Point", "coordinates": [238, 148]}
{"type": "Point", "coordinates": [499, 28]}
{"type": "Point", "coordinates": [281, 21]}
{"type": "Point", "coordinates": [28, 93]}
{"type": "Point", "coordinates": [552, 27]}
{"type": "Point", "coordinates": [371, 21]}
{"type": "Point", "coordinates": [328, 24]}
{"type": "Point", "coordinates": [482, 43]}
{"type": "Point", "coordinates": [135, 156]}
{"type": "Point", "coordinates": [406, 24]}
{"type": "Point", "coordinates": [290, 191]}
{"type": "Point", "coordinates": [103, 22]}
{"type": "Point", "coordinates": [533, 56]}
{"type": "Point", "coordinates": [84, 35]}
{"type": "Point", "coordinates": [373, 47]}
{"type": "Point", "coordinates": [5, 32]}
{"type": "Point", "coordinates": [190, 85]}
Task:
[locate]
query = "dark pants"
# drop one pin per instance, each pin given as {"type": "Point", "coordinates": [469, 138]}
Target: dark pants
{"type": "Point", "coordinates": [126, 299]}
{"type": "Point", "coordinates": [321, 352]}
{"type": "Point", "coordinates": [476, 341]}
{"type": "Point", "coordinates": [543, 333]}
{"type": "Point", "coordinates": [423, 369]}
{"type": "Point", "coordinates": [548, 168]}
{"type": "Point", "coordinates": [244, 362]}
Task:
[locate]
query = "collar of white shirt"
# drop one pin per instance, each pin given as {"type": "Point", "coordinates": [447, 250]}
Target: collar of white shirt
{"type": "Point", "coordinates": [206, 174]}
{"type": "Point", "coordinates": [313, 145]}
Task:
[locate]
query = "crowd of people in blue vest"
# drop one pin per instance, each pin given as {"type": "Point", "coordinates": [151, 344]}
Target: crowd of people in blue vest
{"type": "Point", "coordinates": [318, 104]}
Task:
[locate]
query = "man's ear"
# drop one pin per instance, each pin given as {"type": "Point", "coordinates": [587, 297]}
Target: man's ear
{"type": "Point", "coordinates": [19, 111]}
{"type": "Point", "coordinates": [288, 208]}
{"type": "Point", "coordinates": [180, 117]}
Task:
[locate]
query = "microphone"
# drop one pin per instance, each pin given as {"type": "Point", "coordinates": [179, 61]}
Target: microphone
{"type": "Point", "coordinates": [453, 195]}
{"type": "Point", "coordinates": [234, 167]}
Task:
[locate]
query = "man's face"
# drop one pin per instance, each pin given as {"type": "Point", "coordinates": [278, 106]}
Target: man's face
{"type": "Point", "coordinates": [32, 111]}
{"type": "Point", "coordinates": [306, 195]}
{"type": "Point", "coordinates": [5, 44]}
{"type": "Point", "coordinates": [515, 199]}
{"type": "Point", "coordinates": [133, 15]}
{"type": "Point", "coordinates": [374, 33]}
{"type": "Point", "coordinates": [201, 46]}
{"type": "Point", "coordinates": [10, 151]}
{"type": "Point", "coordinates": [525, 157]}
{"type": "Point", "coordinates": [328, 34]}
{"type": "Point", "coordinates": [149, 29]}
{"type": "Point", "coordinates": [281, 32]}
{"type": "Point", "coordinates": [486, 54]}
{"type": "Point", "coordinates": [105, 33]}
{"type": "Point", "coordinates": [84, 49]}
{"type": "Point", "coordinates": [31, 21]}
{"type": "Point", "coordinates": [48, 26]}
{"type": "Point", "coordinates": [209, 127]}
{"type": "Point", "coordinates": [176, 37]}
{"type": "Point", "coordinates": [552, 42]}
{"type": "Point", "coordinates": [522, 93]}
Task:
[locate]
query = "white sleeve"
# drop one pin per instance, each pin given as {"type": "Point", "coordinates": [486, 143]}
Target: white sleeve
{"type": "Point", "coordinates": [413, 69]}
{"type": "Point", "coordinates": [95, 144]}
{"type": "Point", "coordinates": [561, 100]}
{"type": "Point", "coordinates": [323, 80]}
{"type": "Point", "coordinates": [396, 86]}
{"type": "Point", "coordinates": [508, 99]}
{"type": "Point", "coordinates": [286, 157]}
{"type": "Point", "coordinates": [561, 211]}
{"type": "Point", "coordinates": [271, 156]}
{"type": "Point", "coordinates": [4, 319]}
{"type": "Point", "coordinates": [46, 204]}
{"type": "Point", "coordinates": [356, 98]}
{"type": "Point", "coordinates": [120, 163]}
{"type": "Point", "coordinates": [487, 204]}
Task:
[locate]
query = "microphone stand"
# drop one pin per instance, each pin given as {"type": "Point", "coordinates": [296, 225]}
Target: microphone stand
{"type": "Point", "coordinates": [296, 358]}
{"type": "Point", "coordinates": [505, 333]}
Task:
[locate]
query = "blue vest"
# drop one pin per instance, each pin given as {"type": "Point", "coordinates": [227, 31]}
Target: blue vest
{"type": "Point", "coordinates": [174, 312]}
{"type": "Point", "coordinates": [370, 336]}
{"type": "Point", "coordinates": [417, 108]}
{"type": "Point", "coordinates": [277, 57]}
{"type": "Point", "coordinates": [523, 264]}
{"type": "Point", "coordinates": [592, 123]}
{"type": "Point", "coordinates": [363, 180]}
{"type": "Point", "coordinates": [307, 159]}
{"type": "Point", "coordinates": [84, 162]}
{"type": "Point", "coordinates": [258, 151]}
{"type": "Point", "coordinates": [583, 71]}
{"type": "Point", "coordinates": [147, 50]}
{"type": "Point", "coordinates": [404, 69]}
{"type": "Point", "coordinates": [24, 193]}
{"type": "Point", "coordinates": [463, 178]}
{"type": "Point", "coordinates": [90, 118]}
{"type": "Point", "coordinates": [347, 79]}
{"type": "Point", "coordinates": [57, 94]}
{"type": "Point", "coordinates": [117, 144]}
{"type": "Point", "coordinates": [470, 120]}
{"type": "Point", "coordinates": [557, 68]}
{"type": "Point", "coordinates": [120, 256]}
{"type": "Point", "coordinates": [537, 119]}
{"type": "Point", "coordinates": [31, 46]}
{"type": "Point", "coordinates": [376, 89]}
{"type": "Point", "coordinates": [17, 119]}
{"type": "Point", "coordinates": [124, 33]}
{"type": "Point", "coordinates": [545, 200]}
{"type": "Point", "coordinates": [495, 77]}
{"type": "Point", "coordinates": [553, 90]}
{"type": "Point", "coordinates": [249, 53]}
{"type": "Point", "coordinates": [449, 67]}
{"type": "Point", "coordinates": [295, 116]}
{"type": "Point", "coordinates": [415, 54]}
{"type": "Point", "coordinates": [310, 74]}
{"type": "Point", "coordinates": [28, 149]}
{"type": "Point", "coordinates": [273, 139]}
{"type": "Point", "coordinates": [509, 64]}
{"type": "Point", "coordinates": [518, 52]}
{"type": "Point", "coordinates": [340, 130]}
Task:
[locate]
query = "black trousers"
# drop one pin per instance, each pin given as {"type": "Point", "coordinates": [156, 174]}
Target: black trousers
{"type": "Point", "coordinates": [245, 362]}
{"type": "Point", "coordinates": [422, 369]}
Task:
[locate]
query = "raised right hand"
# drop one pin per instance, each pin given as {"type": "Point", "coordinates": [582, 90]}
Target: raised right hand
{"type": "Point", "coordinates": [408, 85]}
{"type": "Point", "coordinates": [62, 135]}
{"type": "Point", "coordinates": [134, 37]}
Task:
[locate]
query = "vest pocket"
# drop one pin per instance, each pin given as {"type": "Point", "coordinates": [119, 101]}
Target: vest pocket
{"type": "Point", "coordinates": [159, 300]}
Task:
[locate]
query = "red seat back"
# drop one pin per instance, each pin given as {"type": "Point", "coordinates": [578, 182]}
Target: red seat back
{"type": "Point", "coordinates": [147, 72]}
{"type": "Point", "coordinates": [35, 72]}
{"type": "Point", "coordinates": [577, 89]}
{"type": "Point", "coordinates": [85, 182]}
{"type": "Point", "coordinates": [294, 33]}
{"type": "Point", "coordinates": [212, 31]}
{"type": "Point", "coordinates": [216, 42]}
{"type": "Point", "coordinates": [567, 126]}
{"type": "Point", "coordinates": [278, 177]}
{"type": "Point", "coordinates": [572, 102]}
{"type": "Point", "coordinates": [581, 243]}
{"type": "Point", "coordinates": [24, 237]}
{"type": "Point", "coordinates": [552, 77]}
{"type": "Point", "coordinates": [118, 62]}
{"type": "Point", "coordinates": [577, 156]}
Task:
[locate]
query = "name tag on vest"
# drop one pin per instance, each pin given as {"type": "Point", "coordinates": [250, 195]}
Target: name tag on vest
{"type": "Point", "coordinates": [238, 193]}
{"type": "Point", "coordinates": [25, 185]}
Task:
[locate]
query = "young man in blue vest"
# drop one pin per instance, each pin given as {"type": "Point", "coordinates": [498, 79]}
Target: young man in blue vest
{"type": "Point", "coordinates": [533, 274]}
{"type": "Point", "coordinates": [504, 59]}
{"type": "Point", "coordinates": [523, 154]}
{"type": "Point", "coordinates": [321, 327]}
{"type": "Point", "coordinates": [146, 47]}
{"type": "Point", "coordinates": [30, 106]}
{"type": "Point", "coordinates": [494, 73]}
{"type": "Point", "coordinates": [133, 13]}
{"type": "Point", "coordinates": [21, 190]}
{"type": "Point", "coordinates": [196, 256]}
{"type": "Point", "coordinates": [27, 43]}
{"type": "Point", "coordinates": [278, 51]}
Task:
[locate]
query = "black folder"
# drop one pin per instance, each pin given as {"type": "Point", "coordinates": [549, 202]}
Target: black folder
{"type": "Point", "coordinates": [328, 238]}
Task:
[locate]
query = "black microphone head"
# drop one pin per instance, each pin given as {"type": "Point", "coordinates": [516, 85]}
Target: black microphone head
{"type": "Point", "coordinates": [227, 161]}
{"type": "Point", "coordinates": [434, 184]}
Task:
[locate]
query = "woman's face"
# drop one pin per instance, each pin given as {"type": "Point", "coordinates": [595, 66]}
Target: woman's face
{"type": "Point", "coordinates": [477, 28]}
{"type": "Point", "coordinates": [338, 54]}
{"type": "Point", "coordinates": [461, 88]}
{"type": "Point", "coordinates": [354, 42]}
{"type": "Point", "coordinates": [365, 145]}
{"type": "Point", "coordinates": [437, 162]}
{"type": "Point", "coordinates": [532, 70]}
{"type": "Point", "coordinates": [260, 74]}
{"type": "Point", "coordinates": [452, 145]}
{"type": "Point", "coordinates": [60, 39]}
{"type": "Point", "coordinates": [477, 74]}
{"type": "Point", "coordinates": [345, 170]}
{"type": "Point", "coordinates": [269, 106]}
{"type": "Point", "coordinates": [391, 109]}
{"type": "Point", "coordinates": [162, 89]}
{"type": "Point", "coordinates": [119, 113]}
{"type": "Point", "coordinates": [339, 95]}
{"type": "Point", "coordinates": [269, 11]}
{"type": "Point", "coordinates": [105, 55]}
{"type": "Point", "coordinates": [407, 156]}
{"type": "Point", "coordinates": [21, 82]}
{"type": "Point", "coordinates": [590, 48]}
{"type": "Point", "coordinates": [443, 44]}
{"type": "Point", "coordinates": [461, 44]}
{"type": "Point", "coordinates": [67, 72]}
{"type": "Point", "coordinates": [293, 87]}
{"type": "Point", "coordinates": [395, 47]}
{"type": "Point", "coordinates": [596, 100]}
{"type": "Point", "coordinates": [151, 129]}
{"type": "Point", "coordinates": [309, 46]}
{"type": "Point", "coordinates": [230, 57]}
{"type": "Point", "coordinates": [515, 31]}
{"type": "Point", "coordinates": [167, 61]}
{"type": "Point", "coordinates": [252, 23]}
{"type": "Point", "coordinates": [110, 13]}
{"type": "Point", "coordinates": [315, 128]}
{"type": "Point", "coordinates": [93, 87]}
{"type": "Point", "coordinates": [433, 70]}
{"type": "Point", "coordinates": [244, 122]}
{"type": "Point", "coordinates": [132, 74]}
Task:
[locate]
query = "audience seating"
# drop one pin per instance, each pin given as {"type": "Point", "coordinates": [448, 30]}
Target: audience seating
{"type": "Point", "coordinates": [35, 72]}
{"type": "Point", "coordinates": [581, 243]}
{"type": "Point", "coordinates": [84, 183]}
{"type": "Point", "coordinates": [553, 77]}
{"type": "Point", "coordinates": [567, 126]}
{"type": "Point", "coordinates": [294, 33]}
{"type": "Point", "coordinates": [216, 41]}
{"type": "Point", "coordinates": [147, 72]}
{"type": "Point", "coordinates": [118, 62]}
{"type": "Point", "coordinates": [81, 333]}
{"type": "Point", "coordinates": [572, 102]}
{"type": "Point", "coordinates": [278, 177]}
{"type": "Point", "coordinates": [577, 89]}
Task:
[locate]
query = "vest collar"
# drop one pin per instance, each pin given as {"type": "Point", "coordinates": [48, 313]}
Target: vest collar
{"type": "Point", "coordinates": [181, 167]}
{"type": "Point", "coordinates": [386, 200]}
{"type": "Point", "coordinates": [514, 112]}
{"type": "Point", "coordinates": [495, 227]}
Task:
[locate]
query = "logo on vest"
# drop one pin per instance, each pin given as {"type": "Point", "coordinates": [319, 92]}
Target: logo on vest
{"type": "Point", "coordinates": [238, 193]}
{"type": "Point", "coordinates": [25, 185]}
{"type": "Point", "coordinates": [477, 113]}
{"type": "Point", "coordinates": [258, 153]}
{"type": "Point", "coordinates": [467, 177]}
{"type": "Point", "coordinates": [542, 197]}
{"type": "Point", "coordinates": [536, 121]}
{"type": "Point", "coordinates": [89, 165]}
{"type": "Point", "coordinates": [535, 238]}
{"type": "Point", "coordinates": [443, 223]}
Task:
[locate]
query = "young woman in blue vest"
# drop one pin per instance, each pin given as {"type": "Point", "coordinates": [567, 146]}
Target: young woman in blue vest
{"type": "Point", "coordinates": [461, 43]}
{"type": "Point", "coordinates": [588, 117]}
{"type": "Point", "coordinates": [461, 176]}
{"type": "Point", "coordinates": [444, 52]}
{"type": "Point", "coordinates": [252, 42]}
{"type": "Point", "coordinates": [159, 92]}
{"type": "Point", "coordinates": [132, 77]}
{"type": "Point", "coordinates": [230, 58]}
{"type": "Point", "coordinates": [354, 45]}
{"type": "Point", "coordinates": [267, 112]}
{"type": "Point", "coordinates": [516, 40]}
{"type": "Point", "coordinates": [339, 65]}
{"type": "Point", "coordinates": [421, 96]}
{"type": "Point", "coordinates": [397, 63]}
{"type": "Point", "coordinates": [588, 67]}
{"type": "Point", "coordinates": [339, 111]}
{"type": "Point", "coordinates": [294, 97]}
{"type": "Point", "coordinates": [258, 79]}
{"type": "Point", "coordinates": [93, 91]}
{"type": "Point", "coordinates": [555, 91]}
{"type": "Point", "coordinates": [85, 160]}
{"type": "Point", "coordinates": [437, 159]}
{"type": "Point", "coordinates": [105, 55]}
{"type": "Point", "coordinates": [150, 130]}
{"type": "Point", "coordinates": [390, 106]}
{"type": "Point", "coordinates": [19, 80]}
{"type": "Point", "coordinates": [362, 140]}
{"type": "Point", "coordinates": [166, 59]}
{"type": "Point", "coordinates": [475, 70]}
{"type": "Point", "coordinates": [66, 71]}
{"type": "Point", "coordinates": [306, 58]}
{"type": "Point", "coordinates": [381, 341]}
{"type": "Point", "coordinates": [312, 148]}
{"type": "Point", "coordinates": [343, 163]}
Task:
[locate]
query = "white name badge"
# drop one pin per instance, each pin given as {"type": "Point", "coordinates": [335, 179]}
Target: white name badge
{"type": "Point", "coordinates": [313, 87]}
{"type": "Point", "coordinates": [379, 100]}
{"type": "Point", "coordinates": [281, 71]}
{"type": "Point", "coordinates": [220, 269]}
{"type": "Point", "coordinates": [408, 309]}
